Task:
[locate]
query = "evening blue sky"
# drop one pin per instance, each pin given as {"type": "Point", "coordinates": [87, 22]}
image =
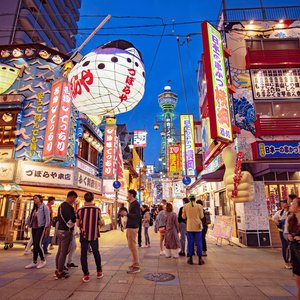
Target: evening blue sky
{"type": "Point", "coordinates": [162, 68]}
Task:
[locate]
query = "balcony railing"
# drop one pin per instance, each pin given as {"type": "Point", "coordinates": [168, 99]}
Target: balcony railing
{"type": "Point", "coordinates": [277, 126]}
{"type": "Point", "coordinates": [262, 13]}
{"type": "Point", "coordinates": [267, 58]}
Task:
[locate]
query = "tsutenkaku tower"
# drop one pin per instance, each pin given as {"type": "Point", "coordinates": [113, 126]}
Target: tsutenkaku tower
{"type": "Point", "coordinates": [167, 101]}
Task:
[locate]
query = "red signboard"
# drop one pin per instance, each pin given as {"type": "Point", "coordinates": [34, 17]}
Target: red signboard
{"type": "Point", "coordinates": [58, 122]}
{"type": "Point", "coordinates": [109, 152]}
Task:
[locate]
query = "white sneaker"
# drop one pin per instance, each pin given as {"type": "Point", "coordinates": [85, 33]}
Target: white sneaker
{"type": "Point", "coordinates": [162, 253]}
{"type": "Point", "coordinates": [41, 264]}
{"type": "Point", "coordinates": [31, 266]}
{"type": "Point", "coordinates": [27, 252]}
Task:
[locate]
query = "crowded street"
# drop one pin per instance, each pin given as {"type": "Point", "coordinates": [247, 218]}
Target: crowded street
{"type": "Point", "coordinates": [229, 272]}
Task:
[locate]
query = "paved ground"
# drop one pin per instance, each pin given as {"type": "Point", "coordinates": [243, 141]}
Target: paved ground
{"type": "Point", "coordinates": [230, 272]}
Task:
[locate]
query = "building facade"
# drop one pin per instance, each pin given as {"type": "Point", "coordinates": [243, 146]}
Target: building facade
{"type": "Point", "coordinates": [262, 68]}
{"type": "Point", "coordinates": [53, 22]}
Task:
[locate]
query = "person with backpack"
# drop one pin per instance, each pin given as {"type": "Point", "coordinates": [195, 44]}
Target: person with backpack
{"type": "Point", "coordinates": [205, 222]}
{"type": "Point", "coordinates": [146, 224]}
{"type": "Point", "coordinates": [280, 218]}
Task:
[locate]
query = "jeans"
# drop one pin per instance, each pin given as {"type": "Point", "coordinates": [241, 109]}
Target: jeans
{"type": "Point", "coordinates": [131, 234]}
{"type": "Point", "coordinates": [204, 231]}
{"type": "Point", "coordinates": [140, 234]}
{"type": "Point", "coordinates": [194, 238]}
{"type": "Point", "coordinates": [146, 233]}
{"type": "Point", "coordinates": [64, 240]}
{"type": "Point", "coordinates": [83, 258]}
{"type": "Point", "coordinates": [182, 230]}
{"type": "Point", "coordinates": [46, 243]}
{"type": "Point", "coordinates": [284, 247]}
{"type": "Point", "coordinates": [37, 238]}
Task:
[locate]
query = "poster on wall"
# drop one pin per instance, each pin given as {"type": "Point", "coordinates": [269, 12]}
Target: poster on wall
{"type": "Point", "coordinates": [217, 92]}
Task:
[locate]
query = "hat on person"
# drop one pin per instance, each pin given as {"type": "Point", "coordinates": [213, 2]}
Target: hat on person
{"type": "Point", "coordinates": [192, 197]}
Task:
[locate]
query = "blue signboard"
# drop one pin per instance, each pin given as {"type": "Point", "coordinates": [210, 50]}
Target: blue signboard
{"type": "Point", "coordinates": [275, 149]}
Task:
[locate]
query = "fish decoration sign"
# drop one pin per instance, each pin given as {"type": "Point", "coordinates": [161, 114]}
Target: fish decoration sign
{"type": "Point", "coordinates": [108, 80]}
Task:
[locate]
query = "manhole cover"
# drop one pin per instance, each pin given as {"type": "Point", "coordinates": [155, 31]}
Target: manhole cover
{"type": "Point", "coordinates": [159, 277]}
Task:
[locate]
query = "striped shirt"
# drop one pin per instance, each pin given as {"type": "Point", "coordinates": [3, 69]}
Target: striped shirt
{"type": "Point", "coordinates": [89, 217]}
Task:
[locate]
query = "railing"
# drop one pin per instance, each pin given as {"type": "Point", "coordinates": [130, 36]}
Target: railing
{"type": "Point", "coordinates": [260, 58]}
{"type": "Point", "coordinates": [262, 13]}
{"type": "Point", "coordinates": [277, 126]}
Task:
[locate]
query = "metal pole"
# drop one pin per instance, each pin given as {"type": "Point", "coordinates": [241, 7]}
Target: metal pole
{"type": "Point", "coordinates": [117, 190]}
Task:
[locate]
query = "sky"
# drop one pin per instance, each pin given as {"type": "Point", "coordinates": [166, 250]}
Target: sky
{"type": "Point", "coordinates": [160, 52]}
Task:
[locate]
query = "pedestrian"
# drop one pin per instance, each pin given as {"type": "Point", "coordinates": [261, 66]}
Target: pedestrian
{"type": "Point", "coordinates": [182, 228]}
{"type": "Point", "coordinates": [280, 218]}
{"type": "Point", "coordinates": [172, 243]}
{"type": "Point", "coordinates": [140, 230]}
{"type": "Point", "coordinates": [89, 222]}
{"type": "Point", "coordinates": [146, 224]}
{"type": "Point", "coordinates": [205, 222]}
{"type": "Point", "coordinates": [65, 227]}
{"type": "Point", "coordinates": [47, 238]}
{"type": "Point", "coordinates": [122, 220]}
{"type": "Point", "coordinates": [160, 226]}
{"type": "Point", "coordinates": [134, 217]}
{"type": "Point", "coordinates": [193, 213]}
{"type": "Point", "coordinates": [38, 220]}
{"type": "Point", "coordinates": [293, 228]}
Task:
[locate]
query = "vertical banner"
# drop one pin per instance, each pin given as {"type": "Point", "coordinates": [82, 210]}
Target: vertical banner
{"type": "Point", "coordinates": [174, 160]}
{"type": "Point", "coordinates": [140, 138]}
{"type": "Point", "coordinates": [217, 92]}
{"type": "Point", "coordinates": [109, 152]}
{"type": "Point", "coordinates": [58, 122]}
{"type": "Point", "coordinates": [188, 145]}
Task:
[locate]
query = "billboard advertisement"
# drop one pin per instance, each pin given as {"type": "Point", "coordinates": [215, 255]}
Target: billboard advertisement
{"type": "Point", "coordinates": [140, 138]}
{"type": "Point", "coordinates": [109, 152]}
{"type": "Point", "coordinates": [188, 145]}
{"type": "Point", "coordinates": [174, 160]}
{"type": "Point", "coordinates": [217, 92]}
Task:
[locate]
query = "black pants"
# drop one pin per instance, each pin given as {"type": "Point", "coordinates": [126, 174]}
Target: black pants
{"type": "Point", "coordinates": [284, 247]}
{"type": "Point", "coordinates": [83, 258]}
{"type": "Point", "coordinates": [204, 245]}
{"type": "Point", "coordinates": [140, 234]}
{"type": "Point", "coordinates": [37, 238]}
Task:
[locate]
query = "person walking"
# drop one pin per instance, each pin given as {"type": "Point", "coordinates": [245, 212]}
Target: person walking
{"type": "Point", "coordinates": [182, 228]}
{"type": "Point", "coordinates": [146, 224]}
{"type": "Point", "coordinates": [205, 222]}
{"type": "Point", "coordinates": [280, 218]}
{"type": "Point", "coordinates": [89, 221]}
{"type": "Point", "coordinates": [38, 220]}
{"type": "Point", "coordinates": [172, 243]}
{"type": "Point", "coordinates": [293, 230]}
{"type": "Point", "coordinates": [47, 238]}
{"type": "Point", "coordinates": [133, 219]}
{"type": "Point", "coordinates": [160, 226]}
{"type": "Point", "coordinates": [193, 213]}
{"type": "Point", "coordinates": [66, 223]}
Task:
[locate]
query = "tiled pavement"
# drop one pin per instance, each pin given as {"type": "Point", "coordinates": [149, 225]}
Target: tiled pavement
{"type": "Point", "coordinates": [229, 272]}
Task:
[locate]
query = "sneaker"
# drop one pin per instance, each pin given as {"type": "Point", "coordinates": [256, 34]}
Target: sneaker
{"type": "Point", "coordinates": [27, 252]}
{"type": "Point", "coordinates": [162, 253]}
{"type": "Point", "coordinates": [51, 247]}
{"type": "Point", "coordinates": [48, 253]}
{"type": "Point", "coordinates": [134, 270]}
{"type": "Point", "coordinates": [86, 278]}
{"type": "Point", "coordinates": [144, 246]}
{"type": "Point", "coordinates": [66, 269]}
{"type": "Point", "coordinates": [201, 261]}
{"type": "Point", "coordinates": [41, 264]}
{"type": "Point", "coordinates": [288, 266]}
{"type": "Point", "coordinates": [72, 265]}
{"type": "Point", "coordinates": [181, 253]}
{"type": "Point", "coordinates": [149, 246]}
{"type": "Point", "coordinates": [31, 266]}
{"type": "Point", "coordinates": [62, 275]}
{"type": "Point", "coordinates": [204, 253]}
{"type": "Point", "coordinates": [99, 275]}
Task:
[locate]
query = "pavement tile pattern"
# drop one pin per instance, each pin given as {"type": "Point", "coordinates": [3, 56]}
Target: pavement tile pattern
{"type": "Point", "coordinates": [229, 272]}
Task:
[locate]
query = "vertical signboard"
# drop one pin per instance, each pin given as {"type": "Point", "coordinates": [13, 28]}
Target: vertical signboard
{"type": "Point", "coordinates": [188, 145]}
{"type": "Point", "coordinates": [140, 138]}
{"type": "Point", "coordinates": [58, 122]}
{"type": "Point", "coordinates": [174, 161]}
{"type": "Point", "coordinates": [217, 92]}
{"type": "Point", "coordinates": [109, 152]}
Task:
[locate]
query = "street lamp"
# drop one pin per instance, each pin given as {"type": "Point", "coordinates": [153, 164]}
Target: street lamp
{"type": "Point", "coordinates": [163, 133]}
{"type": "Point", "coordinates": [156, 126]}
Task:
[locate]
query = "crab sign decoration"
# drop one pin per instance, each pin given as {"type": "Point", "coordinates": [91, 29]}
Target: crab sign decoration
{"type": "Point", "coordinates": [108, 80]}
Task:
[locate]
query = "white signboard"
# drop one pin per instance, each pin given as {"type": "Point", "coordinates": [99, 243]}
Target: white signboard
{"type": "Point", "coordinates": [140, 138]}
{"type": "Point", "coordinates": [7, 170]}
{"type": "Point", "coordinates": [85, 167]}
{"type": "Point", "coordinates": [179, 190]}
{"type": "Point", "coordinates": [276, 83]}
{"type": "Point", "coordinates": [89, 183]}
{"type": "Point", "coordinates": [45, 175]}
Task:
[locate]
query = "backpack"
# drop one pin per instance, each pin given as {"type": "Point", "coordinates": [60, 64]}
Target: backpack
{"type": "Point", "coordinates": [207, 217]}
{"type": "Point", "coordinates": [151, 221]}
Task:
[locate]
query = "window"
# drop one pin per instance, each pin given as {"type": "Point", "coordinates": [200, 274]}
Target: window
{"type": "Point", "coordinates": [93, 156]}
{"type": "Point", "coordinates": [83, 149]}
{"type": "Point", "coordinates": [272, 44]}
{"type": "Point", "coordinates": [285, 109]}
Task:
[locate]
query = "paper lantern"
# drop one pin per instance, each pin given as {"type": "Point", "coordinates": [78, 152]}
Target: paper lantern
{"type": "Point", "coordinates": [110, 79]}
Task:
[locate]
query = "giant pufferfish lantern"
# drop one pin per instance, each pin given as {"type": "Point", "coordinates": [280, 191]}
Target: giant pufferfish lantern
{"type": "Point", "coordinates": [108, 80]}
